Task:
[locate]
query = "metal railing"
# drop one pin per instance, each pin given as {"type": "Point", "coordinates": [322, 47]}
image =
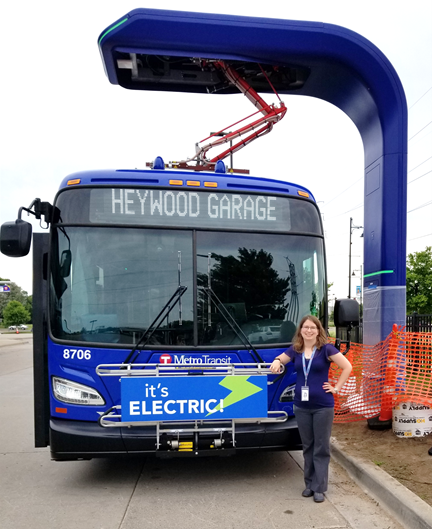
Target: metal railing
{"type": "Point", "coordinates": [418, 322]}
{"type": "Point", "coordinates": [112, 417]}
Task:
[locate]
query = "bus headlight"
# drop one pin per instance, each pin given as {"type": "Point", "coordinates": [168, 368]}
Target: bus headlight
{"type": "Point", "coordinates": [287, 394]}
{"type": "Point", "coordinates": [74, 393]}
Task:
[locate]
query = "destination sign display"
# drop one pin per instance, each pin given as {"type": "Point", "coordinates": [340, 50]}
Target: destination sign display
{"type": "Point", "coordinates": [187, 208]}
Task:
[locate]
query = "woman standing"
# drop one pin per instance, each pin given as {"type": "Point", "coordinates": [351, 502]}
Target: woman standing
{"type": "Point", "coordinates": [313, 398]}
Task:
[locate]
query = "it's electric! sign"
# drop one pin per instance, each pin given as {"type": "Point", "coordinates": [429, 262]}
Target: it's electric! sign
{"type": "Point", "coordinates": [188, 398]}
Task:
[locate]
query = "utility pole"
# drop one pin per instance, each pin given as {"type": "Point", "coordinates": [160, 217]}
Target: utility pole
{"type": "Point", "coordinates": [352, 227]}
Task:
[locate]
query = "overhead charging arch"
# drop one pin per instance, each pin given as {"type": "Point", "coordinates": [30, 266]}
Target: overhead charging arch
{"type": "Point", "coordinates": [150, 49]}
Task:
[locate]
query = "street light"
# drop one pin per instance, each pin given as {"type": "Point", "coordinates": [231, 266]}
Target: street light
{"type": "Point", "coordinates": [361, 297]}
{"type": "Point", "coordinates": [352, 227]}
{"type": "Point", "coordinates": [361, 277]}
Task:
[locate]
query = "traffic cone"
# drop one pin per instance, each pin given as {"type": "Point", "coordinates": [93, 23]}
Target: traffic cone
{"type": "Point", "coordinates": [17, 331]}
{"type": "Point", "coordinates": [390, 377]}
{"type": "Point", "coordinates": [384, 420]}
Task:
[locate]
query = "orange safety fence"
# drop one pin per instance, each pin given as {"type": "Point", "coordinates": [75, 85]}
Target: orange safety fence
{"type": "Point", "coordinates": [396, 370]}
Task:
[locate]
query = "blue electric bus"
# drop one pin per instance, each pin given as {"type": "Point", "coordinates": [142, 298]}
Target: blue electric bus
{"type": "Point", "coordinates": [161, 296]}
{"type": "Point", "coordinates": [148, 273]}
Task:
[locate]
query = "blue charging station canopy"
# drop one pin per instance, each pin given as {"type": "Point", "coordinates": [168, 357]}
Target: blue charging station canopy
{"type": "Point", "coordinates": [151, 49]}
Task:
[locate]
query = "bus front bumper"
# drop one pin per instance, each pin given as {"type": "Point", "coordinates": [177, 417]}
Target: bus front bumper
{"type": "Point", "coordinates": [72, 440]}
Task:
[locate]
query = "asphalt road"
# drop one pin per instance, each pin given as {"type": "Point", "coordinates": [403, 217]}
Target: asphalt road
{"type": "Point", "coordinates": [253, 491]}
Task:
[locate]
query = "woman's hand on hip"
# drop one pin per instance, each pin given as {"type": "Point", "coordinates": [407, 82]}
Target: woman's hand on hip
{"type": "Point", "coordinates": [328, 388]}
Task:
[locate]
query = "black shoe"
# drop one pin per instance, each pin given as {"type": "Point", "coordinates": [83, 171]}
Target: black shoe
{"type": "Point", "coordinates": [430, 451]}
{"type": "Point", "coordinates": [318, 497]}
{"type": "Point", "coordinates": [307, 493]}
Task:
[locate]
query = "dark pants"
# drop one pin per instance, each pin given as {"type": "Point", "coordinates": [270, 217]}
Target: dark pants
{"type": "Point", "coordinates": [315, 427]}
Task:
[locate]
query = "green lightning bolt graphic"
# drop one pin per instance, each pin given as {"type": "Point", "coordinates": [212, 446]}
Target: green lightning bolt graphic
{"type": "Point", "coordinates": [240, 389]}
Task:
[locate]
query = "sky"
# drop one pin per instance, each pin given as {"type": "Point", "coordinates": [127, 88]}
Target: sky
{"type": "Point", "coordinates": [59, 114]}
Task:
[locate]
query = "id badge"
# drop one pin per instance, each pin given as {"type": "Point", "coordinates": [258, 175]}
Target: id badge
{"type": "Point", "coordinates": [304, 393]}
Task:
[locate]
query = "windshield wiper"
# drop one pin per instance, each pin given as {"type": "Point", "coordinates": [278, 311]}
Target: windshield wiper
{"type": "Point", "coordinates": [156, 323]}
{"type": "Point", "coordinates": [238, 331]}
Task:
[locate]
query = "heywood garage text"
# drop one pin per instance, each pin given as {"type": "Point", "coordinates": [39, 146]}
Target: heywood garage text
{"type": "Point", "coordinates": [189, 208]}
{"type": "Point", "coordinates": [193, 398]}
{"type": "Point", "coordinates": [190, 204]}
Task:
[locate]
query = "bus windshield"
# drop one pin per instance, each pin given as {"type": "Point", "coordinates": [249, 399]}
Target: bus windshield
{"type": "Point", "coordinates": [108, 284]}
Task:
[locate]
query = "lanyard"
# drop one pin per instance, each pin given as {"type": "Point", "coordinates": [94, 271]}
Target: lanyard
{"type": "Point", "coordinates": [306, 370]}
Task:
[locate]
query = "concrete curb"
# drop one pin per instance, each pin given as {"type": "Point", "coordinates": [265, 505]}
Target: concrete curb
{"type": "Point", "coordinates": [408, 509]}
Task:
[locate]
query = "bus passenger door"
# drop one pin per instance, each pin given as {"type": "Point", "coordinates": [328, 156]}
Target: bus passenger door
{"type": "Point", "coordinates": [40, 335]}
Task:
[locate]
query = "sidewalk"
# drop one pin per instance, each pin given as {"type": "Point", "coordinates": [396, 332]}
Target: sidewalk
{"type": "Point", "coordinates": [406, 507]}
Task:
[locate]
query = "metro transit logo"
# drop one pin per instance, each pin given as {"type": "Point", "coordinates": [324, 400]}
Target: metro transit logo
{"type": "Point", "coordinates": [165, 359]}
{"type": "Point", "coordinates": [193, 359]}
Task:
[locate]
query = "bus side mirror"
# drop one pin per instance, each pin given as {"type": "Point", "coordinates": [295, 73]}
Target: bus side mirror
{"type": "Point", "coordinates": [15, 238]}
{"type": "Point", "coordinates": [346, 313]}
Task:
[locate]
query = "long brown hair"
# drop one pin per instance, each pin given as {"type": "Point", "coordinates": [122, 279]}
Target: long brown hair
{"type": "Point", "coordinates": [298, 342]}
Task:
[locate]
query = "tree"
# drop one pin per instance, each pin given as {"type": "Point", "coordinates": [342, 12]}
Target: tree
{"type": "Point", "coordinates": [419, 282]}
{"type": "Point", "coordinates": [249, 279]}
{"type": "Point", "coordinates": [14, 313]}
{"type": "Point", "coordinates": [16, 294]}
{"type": "Point", "coordinates": [29, 307]}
